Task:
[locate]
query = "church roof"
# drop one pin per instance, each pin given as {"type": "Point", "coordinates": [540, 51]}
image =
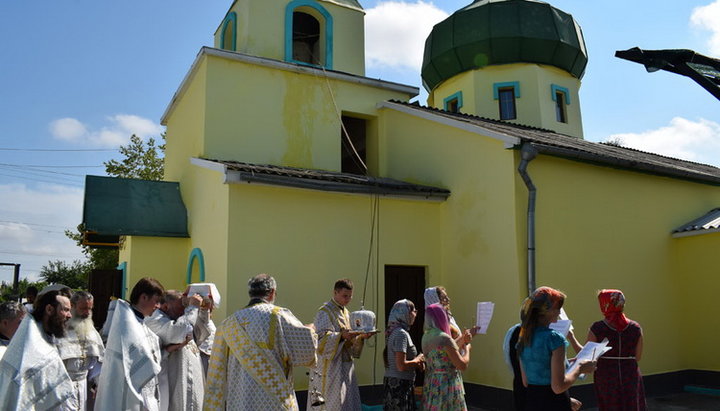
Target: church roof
{"type": "Point", "coordinates": [353, 4]}
{"type": "Point", "coordinates": [560, 145]}
{"type": "Point", "coordinates": [490, 32]}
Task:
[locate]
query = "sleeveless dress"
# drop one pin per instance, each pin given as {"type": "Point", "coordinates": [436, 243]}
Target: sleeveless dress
{"type": "Point", "coordinates": [443, 387]}
{"type": "Point", "coordinates": [618, 382]}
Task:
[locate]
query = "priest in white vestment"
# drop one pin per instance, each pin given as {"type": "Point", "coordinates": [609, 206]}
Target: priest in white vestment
{"type": "Point", "coordinates": [254, 353]}
{"type": "Point", "coordinates": [128, 380]}
{"type": "Point", "coordinates": [81, 349]}
{"type": "Point", "coordinates": [11, 314]}
{"type": "Point", "coordinates": [32, 375]}
{"type": "Point", "coordinates": [181, 378]}
{"type": "Point", "coordinates": [334, 374]}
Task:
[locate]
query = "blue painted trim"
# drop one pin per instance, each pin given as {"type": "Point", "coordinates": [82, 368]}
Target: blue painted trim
{"type": "Point", "coordinates": [452, 97]}
{"type": "Point", "coordinates": [230, 19]}
{"type": "Point", "coordinates": [555, 88]}
{"type": "Point", "coordinates": [289, 10]}
{"type": "Point", "coordinates": [514, 84]}
{"type": "Point", "coordinates": [702, 390]}
{"type": "Point", "coordinates": [123, 267]}
{"type": "Point", "coordinates": [196, 253]}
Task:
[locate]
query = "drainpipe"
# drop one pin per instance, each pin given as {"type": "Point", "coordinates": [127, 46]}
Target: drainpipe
{"type": "Point", "coordinates": [527, 153]}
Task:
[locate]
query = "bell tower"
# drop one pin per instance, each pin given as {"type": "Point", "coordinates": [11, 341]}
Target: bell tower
{"type": "Point", "coordinates": [514, 60]}
{"type": "Point", "coordinates": [319, 33]}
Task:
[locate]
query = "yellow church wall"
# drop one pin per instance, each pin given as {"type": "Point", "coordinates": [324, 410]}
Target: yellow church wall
{"type": "Point", "coordinates": [185, 126]}
{"type": "Point", "coordinates": [694, 262]}
{"type": "Point", "coordinates": [206, 198]}
{"type": "Point", "coordinates": [280, 117]}
{"type": "Point", "coordinates": [534, 107]}
{"type": "Point", "coordinates": [142, 255]}
{"type": "Point", "coordinates": [261, 29]}
{"type": "Point", "coordinates": [480, 256]}
{"type": "Point", "coordinates": [309, 239]}
{"type": "Point", "coordinates": [599, 227]}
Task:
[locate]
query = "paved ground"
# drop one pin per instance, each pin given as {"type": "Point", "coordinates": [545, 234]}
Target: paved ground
{"type": "Point", "coordinates": [673, 402]}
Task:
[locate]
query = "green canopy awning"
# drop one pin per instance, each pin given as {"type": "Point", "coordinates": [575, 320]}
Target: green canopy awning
{"type": "Point", "coordinates": [124, 206]}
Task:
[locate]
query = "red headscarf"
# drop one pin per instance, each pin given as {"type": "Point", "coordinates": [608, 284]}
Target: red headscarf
{"type": "Point", "coordinates": [612, 303]}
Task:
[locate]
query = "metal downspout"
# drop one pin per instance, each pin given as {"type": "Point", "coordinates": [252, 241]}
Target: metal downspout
{"type": "Point", "coordinates": [527, 153]}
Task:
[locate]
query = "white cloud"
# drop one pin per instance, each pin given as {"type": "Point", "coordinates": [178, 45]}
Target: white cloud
{"type": "Point", "coordinates": [685, 139]}
{"type": "Point", "coordinates": [407, 24]}
{"type": "Point", "coordinates": [69, 129]}
{"type": "Point", "coordinates": [708, 18]}
{"type": "Point", "coordinates": [114, 134]}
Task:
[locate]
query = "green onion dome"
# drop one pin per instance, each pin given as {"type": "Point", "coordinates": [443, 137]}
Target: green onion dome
{"type": "Point", "coordinates": [491, 32]}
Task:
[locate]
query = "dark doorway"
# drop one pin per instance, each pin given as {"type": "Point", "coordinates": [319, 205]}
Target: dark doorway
{"type": "Point", "coordinates": [353, 156]}
{"type": "Point", "coordinates": [403, 281]}
{"type": "Point", "coordinates": [104, 284]}
{"type": "Point", "coordinates": [306, 38]}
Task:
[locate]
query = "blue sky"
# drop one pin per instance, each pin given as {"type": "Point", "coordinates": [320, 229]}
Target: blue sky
{"type": "Point", "coordinates": [84, 75]}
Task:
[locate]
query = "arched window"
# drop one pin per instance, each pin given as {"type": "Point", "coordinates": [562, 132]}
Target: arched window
{"type": "Point", "coordinates": [306, 38]}
{"type": "Point", "coordinates": [195, 255]}
{"type": "Point", "coordinates": [308, 33]}
{"type": "Point", "coordinates": [228, 35]}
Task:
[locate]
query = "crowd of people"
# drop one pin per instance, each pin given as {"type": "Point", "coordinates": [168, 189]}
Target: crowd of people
{"type": "Point", "coordinates": [161, 351]}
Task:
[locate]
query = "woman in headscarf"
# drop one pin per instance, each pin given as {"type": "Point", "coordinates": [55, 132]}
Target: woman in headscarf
{"type": "Point", "coordinates": [618, 382]}
{"type": "Point", "coordinates": [542, 354]}
{"type": "Point", "coordinates": [443, 387]}
{"type": "Point", "coordinates": [438, 295]}
{"type": "Point", "coordinates": [401, 358]}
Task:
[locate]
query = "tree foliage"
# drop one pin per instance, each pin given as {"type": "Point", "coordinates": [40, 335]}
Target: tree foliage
{"type": "Point", "coordinates": [7, 293]}
{"type": "Point", "coordinates": [73, 275]}
{"type": "Point", "coordinates": [141, 160]}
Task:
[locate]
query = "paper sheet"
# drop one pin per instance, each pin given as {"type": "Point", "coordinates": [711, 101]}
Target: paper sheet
{"type": "Point", "coordinates": [205, 290]}
{"type": "Point", "coordinates": [591, 351]}
{"type": "Point", "coordinates": [563, 325]}
{"type": "Point", "coordinates": [484, 315]}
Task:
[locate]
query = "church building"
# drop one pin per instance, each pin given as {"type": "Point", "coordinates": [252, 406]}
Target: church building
{"type": "Point", "coordinates": [282, 157]}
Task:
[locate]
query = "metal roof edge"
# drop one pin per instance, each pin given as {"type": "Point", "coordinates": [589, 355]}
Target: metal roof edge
{"type": "Point", "coordinates": [411, 91]}
{"type": "Point", "coordinates": [625, 164]}
{"type": "Point", "coordinates": [693, 233]}
{"type": "Point", "coordinates": [239, 177]}
{"type": "Point", "coordinates": [510, 141]}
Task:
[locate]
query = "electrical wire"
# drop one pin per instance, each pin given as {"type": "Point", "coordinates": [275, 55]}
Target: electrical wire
{"type": "Point", "coordinates": [59, 150]}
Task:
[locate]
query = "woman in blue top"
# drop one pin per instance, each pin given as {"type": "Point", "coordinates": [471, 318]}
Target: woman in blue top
{"type": "Point", "coordinates": [542, 353]}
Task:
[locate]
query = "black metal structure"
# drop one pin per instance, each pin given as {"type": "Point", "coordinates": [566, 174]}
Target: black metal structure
{"type": "Point", "coordinates": [702, 69]}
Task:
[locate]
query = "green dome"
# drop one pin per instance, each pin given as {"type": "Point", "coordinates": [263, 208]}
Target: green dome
{"type": "Point", "coordinates": [490, 32]}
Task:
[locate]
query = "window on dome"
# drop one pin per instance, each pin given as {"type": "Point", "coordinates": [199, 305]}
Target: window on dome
{"type": "Point", "coordinates": [353, 151]}
{"type": "Point", "coordinates": [506, 93]}
{"type": "Point", "coordinates": [561, 97]}
{"type": "Point", "coordinates": [306, 38]}
{"type": "Point", "coordinates": [453, 103]}
{"type": "Point", "coordinates": [506, 100]}
{"type": "Point", "coordinates": [560, 114]}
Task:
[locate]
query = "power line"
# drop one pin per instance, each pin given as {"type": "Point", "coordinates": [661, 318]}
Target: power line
{"type": "Point", "coordinates": [46, 166]}
{"type": "Point", "coordinates": [66, 182]}
{"type": "Point", "coordinates": [30, 168]}
{"type": "Point", "coordinates": [14, 252]}
{"type": "Point", "coordinates": [39, 225]}
{"type": "Point", "coordinates": [59, 150]}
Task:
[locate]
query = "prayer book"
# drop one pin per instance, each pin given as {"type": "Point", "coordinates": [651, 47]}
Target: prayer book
{"type": "Point", "coordinates": [484, 315]}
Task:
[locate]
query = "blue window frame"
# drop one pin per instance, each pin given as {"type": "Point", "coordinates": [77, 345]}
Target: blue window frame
{"type": "Point", "coordinates": [301, 12]}
{"type": "Point", "coordinates": [195, 254]}
{"type": "Point", "coordinates": [453, 103]}
{"type": "Point", "coordinates": [228, 34]}
{"type": "Point", "coordinates": [506, 93]}
{"type": "Point", "coordinates": [561, 97]}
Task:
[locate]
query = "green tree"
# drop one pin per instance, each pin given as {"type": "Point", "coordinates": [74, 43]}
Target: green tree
{"type": "Point", "coordinates": [141, 160]}
{"type": "Point", "coordinates": [73, 275]}
{"type": "Point", "coordinates": [7, 292]}
{"type": "Point", "coordinates": [99, 258]}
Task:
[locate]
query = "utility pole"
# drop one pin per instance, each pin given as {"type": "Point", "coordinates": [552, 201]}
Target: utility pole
{"type": "Point", "coordinates": [16, 278]}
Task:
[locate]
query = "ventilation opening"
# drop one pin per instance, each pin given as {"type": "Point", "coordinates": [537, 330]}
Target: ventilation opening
{"type": "Point", "coordinates": [560, 113]}
{"type": "Point", "coordinates": [306, 38]}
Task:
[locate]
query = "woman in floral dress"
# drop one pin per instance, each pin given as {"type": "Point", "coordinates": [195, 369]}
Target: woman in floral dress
{"type": "Point", "coordinates": [618, 382]}
{"type": "Point", "coordinates": [443, 387]}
